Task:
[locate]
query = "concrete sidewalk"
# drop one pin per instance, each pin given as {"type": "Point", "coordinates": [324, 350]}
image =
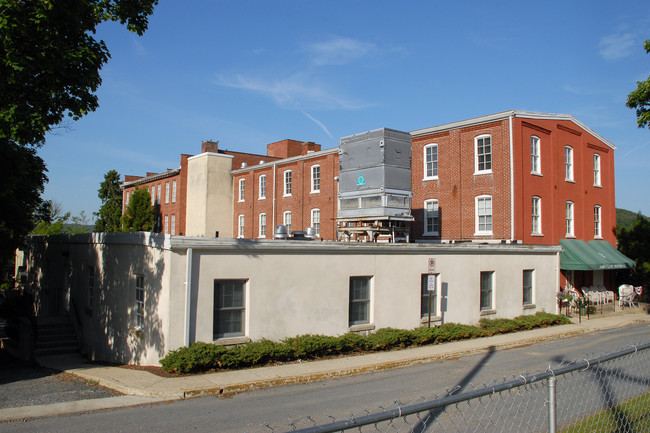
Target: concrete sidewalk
{"type": "Point", "coordinates": [143, 387]}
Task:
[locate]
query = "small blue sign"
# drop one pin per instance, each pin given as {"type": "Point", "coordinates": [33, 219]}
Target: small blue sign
{"type": "Point", "coordinates": [361, 181]}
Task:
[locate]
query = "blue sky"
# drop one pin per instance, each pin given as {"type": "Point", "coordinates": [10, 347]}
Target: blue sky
{"type": "Point", "coordinates": [248, 73]}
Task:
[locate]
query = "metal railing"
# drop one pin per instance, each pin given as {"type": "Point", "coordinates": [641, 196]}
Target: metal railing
{"type": "Point", "coordinates": [610, 393]}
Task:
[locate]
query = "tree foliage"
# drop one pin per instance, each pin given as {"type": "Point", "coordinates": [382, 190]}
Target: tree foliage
{"type": "Point", "coordinates": [139, 214]}
{"type": "Point", "coordinates": [110, 212]}
{"type": "Point", "coordinates": [639, 99]}
{"type": "Point", "coordinates": [635, 244]}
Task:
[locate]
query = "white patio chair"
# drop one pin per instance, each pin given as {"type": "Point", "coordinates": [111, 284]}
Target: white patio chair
{"type": "Point", "coordinates": [606, 295]}
{"type": "Point", "coordinates": [593, 295]}
{"type": "Point", "coordinates": [626, 295]}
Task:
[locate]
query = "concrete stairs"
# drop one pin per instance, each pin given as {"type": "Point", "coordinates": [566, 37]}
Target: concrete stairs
{"type": "Point", "coordinates": [56, 336]}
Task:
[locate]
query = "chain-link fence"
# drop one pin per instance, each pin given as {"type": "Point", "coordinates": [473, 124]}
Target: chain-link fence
{"type": "Point", "coordinates": [610, 393]}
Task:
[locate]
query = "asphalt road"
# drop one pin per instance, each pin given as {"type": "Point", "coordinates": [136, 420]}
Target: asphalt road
{"type": "Point", "coordinates": [272, 409]}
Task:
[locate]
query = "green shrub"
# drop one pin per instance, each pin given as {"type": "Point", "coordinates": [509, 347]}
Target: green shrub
{"type": "Point", "coordinates": [312, 346]}
{"type": "Point", "coordinates": [389, 338]}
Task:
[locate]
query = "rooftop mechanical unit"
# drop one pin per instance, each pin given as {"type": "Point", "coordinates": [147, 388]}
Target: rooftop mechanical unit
{"type": "Point", "coordinates": [375, 186]}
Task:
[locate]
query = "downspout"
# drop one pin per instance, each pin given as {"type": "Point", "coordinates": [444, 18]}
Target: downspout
{"type": "Point", "coordinates": [512, 184]}
{"type": "Point", "coordinates": [274, 165]}
{"type": "Point", "coordinates": [188, 295]}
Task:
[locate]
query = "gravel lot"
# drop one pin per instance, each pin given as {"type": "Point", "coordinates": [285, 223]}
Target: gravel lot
{"type": "Point", "coordinates": [28, 384]}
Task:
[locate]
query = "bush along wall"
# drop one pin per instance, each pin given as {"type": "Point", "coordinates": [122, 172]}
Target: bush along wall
{"type": "Point", "coordinates": [202, 357]}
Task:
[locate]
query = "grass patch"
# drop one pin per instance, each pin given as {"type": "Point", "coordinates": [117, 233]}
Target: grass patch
{"type": "Point", "coordinates": [631, 416]}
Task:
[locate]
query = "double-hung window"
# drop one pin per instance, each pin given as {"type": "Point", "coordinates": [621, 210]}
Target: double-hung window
{"type": "Point", "coordinates": [483, 154]}
{"type": "Point", "coordinates": [315, 178]}
{"type": "Point", "coordinates": [229, 308]}
{"type": "Point", "coordinates": [158, 193]}
{"type": "Point", "coordinates": [596, 169]}
{"type": "Point", "coordinates": [286, 218]}
{"type": "Point", "coordinates": [173, 191]}
{"type": "Point", "coordinates": [536, 215]}
{"type": "Point", "coordinates": [534, 155]}
{"type": "Point", "coordinates": [240, 230]}
{"type": "Point", "coordinates": [287, 182]}
{"type": "Point", "coordinates": [429, 295]}
{"type": "Point", "coordinates": [166, 192]}
{"type": "Point", "coordinates": [242, 189]}
{"type": "Point", "coordinates": [431, 218]}
{"type": "Point", "coordinates": [173, 229]}
{"type": "Point", "coordinates": [569, 219]}
{"type": "Point", "coordinates": [139, 301]}
{"type": "Point", "coordinates": [484, 215]}
{"type": "Point", "coordinates": [487, 290]}
{"type": "Point", "coordinates": [568, 163]}
{"type": "Point", "coordinates": [597, 228]}
{"type": "Point", "coordinates": [527, 285]}
{"type": "Point", "coordinates": [262, 225]}
{"type": "Point", "coordinates": [262, 186]}
{"type": "Point", "coordinates": [153, 195]}
{"type": "Point", "coordinates": [166, 224]}
{"type": "Point", "coordinates": [359, 300]}
{"type": "Point", "coordinates": [430, 161]}
{"type": "Point", "coordinates": [315, 220]}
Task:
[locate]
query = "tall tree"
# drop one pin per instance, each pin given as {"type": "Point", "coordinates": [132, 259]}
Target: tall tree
{"type": "Point", "coordinates": [139, 214]}
{"type": "Point", "coordinates": [639, 99]}
{"type": "Point", "coordinates": [110, 213]}
{"type": "Point", "coordinates": [635, 243]}
{"type": "Point", "coordinates": [49, 68]}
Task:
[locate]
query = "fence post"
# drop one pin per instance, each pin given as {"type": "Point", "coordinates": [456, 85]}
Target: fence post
{"type": "Point", "coordinates": [552, 422]}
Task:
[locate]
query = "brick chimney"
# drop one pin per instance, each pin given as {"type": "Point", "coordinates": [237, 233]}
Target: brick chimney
{"type": "Point", "coordinates": [210, 146]}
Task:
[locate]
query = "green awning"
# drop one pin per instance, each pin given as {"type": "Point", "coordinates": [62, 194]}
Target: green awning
{"type": "Point", "coordinates": [579, 255]}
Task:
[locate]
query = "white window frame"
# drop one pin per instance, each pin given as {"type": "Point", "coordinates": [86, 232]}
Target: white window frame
{"type": "Point", "coordinates": [315, 220]}
{"type": "Point", "coordinates": [487, 156]}
{"type": "Point", "coordinates": [489, 277]}
{"type": "Point", "coordinates": [234, 286]}
{"type": "Point", "coordinates": [435, 297]}
{"type": "Point", "coordinates": [287, 183]}
{"type": "Point", "coordinates": [166, 224]}
{"type": "Point", "coordinates": [597, 171]}
{"type": "Point", "coordinates": [240, 226]}
{"type": "Point", "coordinates": [262, 187]}
{"type": "Point", "coordinates": [432, 213]}
{"type": "Point", "coordinates": [153, 195]}
{"type": "Point", "coordinates": [535, 155]}
{"type": "Point", "coordinates": [158, 194]}
{"type": "Point", "coordinates": [433, 163]}
{"type": "Point", "coordinates": [173, 228]}
{"type": "Point", "coordinates": [536, 215]}
{"type": "Point", "coordinates": [315, 179]}
{"type": "Point", "coordinates": [174, 191]}
{"type": "Point", "coordinates": [598, 232]}
{"type": "Point", "coordinates": [262, 225]}
{"type": "Point", "coordinates": [166, 192]}
{"type": "Point", "coordinates": [139, 309]}
{"type": "Point", "coordinates": [242, 189]}
{"type": "Point", "coordinates": [530, 287]}
{"type": "Point", "coordinates": [569, 218]}
{"type": "Point", "coordinates": [286, 219]}
{"type": "Point", "coordinates": [354, 301]}
{"type": "Point", "coordinates": [478, 215]}
{"type": "Point", "coordinates": [568, 164]}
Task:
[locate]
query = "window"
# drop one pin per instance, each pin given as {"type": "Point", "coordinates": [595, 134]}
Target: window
{"type": "Point", "coordinates": [262, 186]}
{"type": "Point", "coordinates": [315, 220]}
{"type": "Point", "coordinates": [568, 163]}
{"type": "Point", "coordinates": [534, 155]}
{"type": "Point", "coordinates": [128, 197]}
{"type": "Point", "coordinates": [431, 161]}
{"type": "Point", "coordinates": [139, 301]}
{"type": "Point", "coordinates": [287, 221]}
{"type": "Point", "coordinates": [166, 224]}
{"type": "Point", "coordinates": [569, 219]}
{"type": "Point", "coordinates": [596, 169]}
{"type": "Point", "coordinates": [536, 216]}
{"type": "Point", "coordinates": [431, 218]}
{"type": "Point", "coordinates": [240, 230]}
{"type": "Point", "coordinates": [597, 231]}
{"type": "Point", "coordinates": [429, 297]}
{"type": "Point", "coordinates": [153, 195]}
{"type": "Point", "coordinates": [91, 285]}
{"type": "Point", "coordinates": [229, 308]}
{"type": "Point", "coordinates": [483, 158]}
{"type": "Point", "coordinates": [242, 189]}
{"type": "Point", "coordinates": [484, 215]}
{"type": "Point", "coordinates": [173, 230]}
{"type": "Point", "coordinates": [158, 194]}
{"type": "Point", "coordinates": [262, 225]}
{"type": "Point", "coordinates": [528, 281]}
{"type": "Point", "coordinates": [166, 192]}
{"type": "Point", "coordinates": [315, 178]}
{"type": "Point", "coordinates": [287, 182]}
{"type": "Point", "coordinates": [487, 282]}
{"type": "Point", "coordinates": [359, 300]}
{"type": "Point", "coordinates": [173, 191]}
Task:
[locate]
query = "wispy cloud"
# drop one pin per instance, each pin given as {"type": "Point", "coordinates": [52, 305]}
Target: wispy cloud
{"type": "Point", "coordinates": [616, 46]}
{"type": "Point", "coordinates": [338, 51]}
{"type": "Point", "coordinates": [319, 123]}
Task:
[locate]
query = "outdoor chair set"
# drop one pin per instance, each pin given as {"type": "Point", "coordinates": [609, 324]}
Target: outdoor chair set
{"type": "Point", "coordinates": [598, 295]}
{"type": "Point", "coordinates": [627, 294]}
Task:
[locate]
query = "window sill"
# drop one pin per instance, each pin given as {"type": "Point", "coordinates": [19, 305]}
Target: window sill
{"type": "Point", "coordinates": [538, 235]}
{"type": "Point", "coordinates": [240, 201]}
{"type": "Point", "coordinates": [362, 327]}
{"type": "Point", "coordinates": [231, 341]}
{"type": "Point", "coordinates": [430, 234]}
{"type": "Point", "coordinates": [483, 234]}
{"type": "Point", "coordinates": [315, 192]}
{"type": "Point", "coordinates": [286, 195]}
{"type": "Point", "coordinates": [570, 180]}
{"type": "Point", "coordinates": [262, 198]}
{"type": "Point", "coordinates": [529, 306]}
{"type": "Point", "coordinates": [536, 173]}
{"type": "Point", "coordinates": [430, 178]}
{"type": "Point", "coordinates": [570, 236]}
{"type": "Point", "coordinates": [425, 320]}
{"type": "Point", "coordinates": [598, 186]}
{"type": "Point", "coordinates": [478, 173]}
{"type": "Point", "coordinates": [598, 238]}
{"type": "Point", "coordinates": [488, 312]}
